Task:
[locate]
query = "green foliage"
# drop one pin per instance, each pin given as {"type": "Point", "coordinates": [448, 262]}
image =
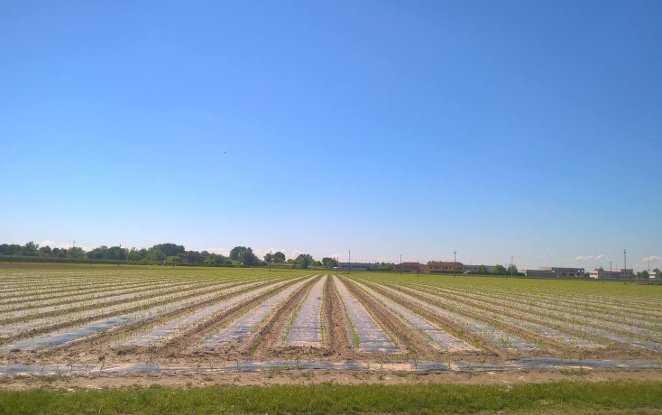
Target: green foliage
{"type": "Point", "coordinates": [155, 254]}
{"type": "Point", "coordinates": [170, 249]}
{"type": "Point", "coordinates": [304, 260]}
{"type": "Point", "coordinates": [560, 397]}
{"type": "Point", "coordinates": [328, 262]}
{"type": "Point", "coordinates": [279, 257]}
{"type": "Point", "coordinates": [482, 269]}
{"type": "Point", "coordinates": [244, 256]}
{"type": "Point", "coordinates": [500, 269]}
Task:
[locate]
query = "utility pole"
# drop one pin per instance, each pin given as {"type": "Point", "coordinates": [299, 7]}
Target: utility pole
{"type": "Point", "coordinates": [625, 267]}
{"type": "Point", "coordinates": [511, 267]}
{"type": "Point", "coordinates": [454, 261]}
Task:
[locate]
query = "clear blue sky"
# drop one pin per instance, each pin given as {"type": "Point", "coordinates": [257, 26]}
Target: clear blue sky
{"type": "Point", "coordinates": [496, 128]}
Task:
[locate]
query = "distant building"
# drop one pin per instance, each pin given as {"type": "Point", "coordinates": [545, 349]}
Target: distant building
{"type": "Point", "coordinates": [475, 269]}
{"type": "Point", "coordinates": [602, 274]}
{"type": "Point", "coordinates": [411, 267]}
{"type": "Point", "coordinates": [442, 266]}
{"type": "Point", "coordinates": [555, 272]}
{"type": "Point", "coordinates": [540, 273]}
{"type": "Point", "coordinates": [359, 266]}
{"type": "Point", "coordinates": [568, 272]}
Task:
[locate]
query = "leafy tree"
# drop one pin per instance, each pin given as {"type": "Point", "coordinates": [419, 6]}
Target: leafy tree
{"type": "Point", "coordinates": [236, 252]}
{"type": "Point", "coordinates": [643, 275]}
{"type": "Point", "coordinates": [170, 249]}
{"type": "Point", "coordinates": [45, 251]}
{"type": "Point", "coordinates": [10, 249]}
{"type": "Point", "coordinates": [279, 257]}
{"type": "Point", "coordinates": [137, 254]}
{"type": "Point", "coordinates": [512, 269]}
{"type": "Point", "coordinates": [116, 253]}
{"type": "Point", "coordinates": [304, 260]}
{"type": "Point", "coordinates": [482, 269]}
{"type": "Point", "coordinates": [155, 254]}
{"type": "Point", "coordinates": [75, 252]}
{"type": "Point", "coordinates": [30, 249]}
{"type": "Point", "coordinates": [269, 257]}
{"type": "Point", "coordinates": [658, 274]}
{"type": "Point", "coordinates": [244, 256]}
{"type": "Point", "coordinates": [328, 262]}
{"type": "Point", "coordinates": [500, 269]}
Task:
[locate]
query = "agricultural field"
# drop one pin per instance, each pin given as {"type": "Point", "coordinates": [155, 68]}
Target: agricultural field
{"type": "Point", "coordinates": [119, 320]}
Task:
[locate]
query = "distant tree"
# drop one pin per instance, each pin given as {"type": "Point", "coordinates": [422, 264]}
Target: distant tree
{"type": "Point", "coordinates": [98, 252]}
{"type": "Point", "coordinates": [30, 249]}
{"type": "Point", "coordinates": [244, 256]}
{"type": "Point", "coordinates": [45, 251]}
{"type": "Point", "coordinates": [236, 252]}
{"type": "Point", "coordinates": [10, 249]}
{"type": "Point", "coordinates": [170, 249]}
{"type": "Point", "coordinates": [214, 259]}
{"type": "Point", "coordinates": [482, 269]}
{"type": "Point", "coordinates": [137, 254]}
{"type": "Point", "coordinates": [512, 269]}
{"type": "Point", "coordinates": [116, 253]}
{"type": "Point", "coordinates": [290, 261]}
{"type": "Point", "coordinates": [75, 252]}
{"type": "Point", "coordinates": [643, 275]}
{"type": "Point", "coordinates": [304, 260]}
{"type": "Point", "coordinates": [658, 274]}
{"type": "Point", "coordinates": [269, 257]}
{"type": "Point", "coordinates": [328, 262]}
{"type": "Point", "coordinates": [500, 269]}
{"type": "Point", "coordinates": [155, 254]}
{"type": "Point", "coordinates": [279, 257]}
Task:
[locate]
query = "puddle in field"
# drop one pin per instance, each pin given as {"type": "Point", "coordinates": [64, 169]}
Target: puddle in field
{"type": "Point", "coordinates": [306, 329]}
{"type": "Point", "coordinates": [244, 326]}
{"type": "Point", "coordinates": [543, 364]}
{"type": "Point", "coordinates": [371, 337]}
{"type": "Point", "coordinates": [440, 339]}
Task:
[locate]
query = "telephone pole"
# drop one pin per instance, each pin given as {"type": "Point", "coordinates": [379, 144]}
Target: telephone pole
{"type": "Point", "coordinates": [625, 267]}
{"type": "Point", "coordinates": [454, 261]}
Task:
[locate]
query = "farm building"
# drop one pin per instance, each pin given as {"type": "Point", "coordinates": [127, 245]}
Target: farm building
{"type": "Point", "coordinates": [540, 273]}
{"type": "Point", "coordinates": [602, 274]}
{"type": "Point", "coordinates": [555, 272]}
{"type": "Point", "coordinates": [443, 266]}
{"type": "Point", "coordinates": [411, 267]}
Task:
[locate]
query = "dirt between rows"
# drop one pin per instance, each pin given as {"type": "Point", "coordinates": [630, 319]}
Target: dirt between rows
{"type": "Point", "coordinates": [308, 377]}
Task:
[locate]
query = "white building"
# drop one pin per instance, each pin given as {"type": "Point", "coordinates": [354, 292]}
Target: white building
{"type": "Point", "coordinates": [616, 274]}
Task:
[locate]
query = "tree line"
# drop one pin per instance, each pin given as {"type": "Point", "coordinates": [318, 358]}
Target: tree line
{"type": "Point", "coordinates": [166, 253]}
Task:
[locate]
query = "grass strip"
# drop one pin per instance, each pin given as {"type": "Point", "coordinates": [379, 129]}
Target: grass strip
{"type": "Point", "coordinates": [559, 397]}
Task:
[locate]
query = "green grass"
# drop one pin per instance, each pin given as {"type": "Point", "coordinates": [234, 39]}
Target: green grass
{"type": "Point", "coordinates": [561, 397]}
